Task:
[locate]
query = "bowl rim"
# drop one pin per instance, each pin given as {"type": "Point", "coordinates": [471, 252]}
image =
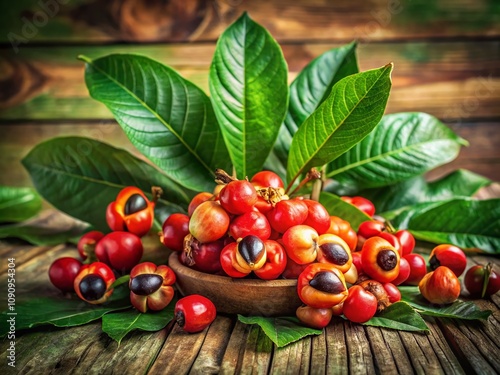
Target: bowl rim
{"type": "Point", "coordinates": [178, 267]}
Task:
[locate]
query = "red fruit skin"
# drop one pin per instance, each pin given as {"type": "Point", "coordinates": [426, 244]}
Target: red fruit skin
{"type": "Point", "coordinates": [440, 286]}
{"type": "Point", "coordinates": [393, 240]}
{"type": "Point", "coordinates": [371, 228]}
{"type": "Point", "coordinates": [252, 222]}
{"type": "Point", "coordinates": [197, 200]}
{"type": "Point", "coordinates": [343, 229]}
{"type": "Point", "coordinates": [293, 269]}
{"type": "Point", "coordinates": [474, 280]}
{"type": "Point", "coordinates": [361, 203]}
{"type": "Point", "coordinates": [174, 229]}
{"type": "Point", "coordinates": [238, 197]}
{"type": "Point", "coordinates": [120, 250]}
{"type": "Point", "coordinates": [194, 313]}
{"type": "Point", "coordinates": [300, 242]}
{"type": "Point", "coordinates": [360, 305]}
{"type": "Point", "coordinates": [286, 214]}
{"type": "Point", "coordinates": [317, 216]}
{"type": "Point", "coordinates": [393, 292]}
{"type": "Point", "coordinates": [206, 256]}
{"type": "Point", "coordinates": [209, 222]}
{"type": "Point", "coordinates": [404, 272]}
{"type": "Point", "coordinates": [62, 273]}
{"type": "Point", "coordinates": [267, 179]}
{"type": "Point", "coordinates": [406, 240]}
{"type": "Point", "coordinates": [90, 238]}
{"type": "Point", "coordinates": [450, 256]}
{"type": "Point", "coordinates": [418, 268]}
{"type": "Point", "coordinates": [314, 318]}
{"type": "Point", "coordinates": [356, 260]}
{"type": "Point", "coordinates": [275, 261]}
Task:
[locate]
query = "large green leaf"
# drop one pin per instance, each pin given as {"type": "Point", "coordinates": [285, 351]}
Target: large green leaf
{"type": "Point", "coordinates": [353, 108]}
{"type": "Point", "coordinates": [119, 324]}
{"type": "Point", "coordinates": [459, 183]}
{"type": "Point", "coordinates": [403, 145]}
{"type": "Point", "coordinates": [282, 331]}
{"type": "Point", "coordinates": [81, 176]}
{"type": "Point", "coordinates": [464, 222]}
{"type": "Point", "coordinates": [168, 119]}
{"type": "Point", "coordinates": [400, 316]}
{"type": "Point", "coordinates": [43, 230]}
{"type": "Point", "coordinates": [248, 84]}
{"type": "Point", "coordinates": [60, 312]}
{"type": "Point", "coordinates": [18, 204]}
{"type": "Point", "coordinates": [337, 207]}
{"type": "Point", "coordinates": [456, 310]}
{"type": "Point", "coordinates": [310, 88]}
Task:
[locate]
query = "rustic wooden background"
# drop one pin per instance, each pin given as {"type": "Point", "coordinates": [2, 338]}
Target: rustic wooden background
{"type": "Point", "coordinates": [446, 55]}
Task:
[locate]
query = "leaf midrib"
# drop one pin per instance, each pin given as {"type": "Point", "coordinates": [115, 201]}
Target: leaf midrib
{"type": "Point", "coordinates": [85, 178]}
{"type": "Point", "coordinates": [384, 155]}
{"type": "Point", "coordinates": [30, 197]}
{"type": "Point", "coordinates": [155, 114]}
{"type": "Point", "coordinates": [342, 122]}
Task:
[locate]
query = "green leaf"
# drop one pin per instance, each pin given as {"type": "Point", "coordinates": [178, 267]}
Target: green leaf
{"type": "Point", "coordinates": [402, 146]}
{"type": "Point", "coordinates": [465, 222]}
{"type": "Point", "coordinates": [18, 204]}
{"type": "Point", "coordinates": [42, 231]}
{"type": "Point", "coordinates": [459, 183]}
{"type": "Point", "coordinates": [168, 119]}
{"type": "Point", "coordinates": [119, 324]}
{"type": "Point", "coordinates": [400, 316]}
{"type": "Point", "coordinates": [282, 331]}
{"type": "Point", "coordinates": [248, 84]}
{"type": "Point", "coordinates": [337, 207]}
{"type": "Point", "coordinates": [310, 88]}
{"type": "Point", "coordinates": [353, 108]}
{"type": "Point", "coordinates": [60, 312]}
{"type": "Point", "coordinates": [457, 310]}
{"type": "Point", "coordinates": [81, 176]}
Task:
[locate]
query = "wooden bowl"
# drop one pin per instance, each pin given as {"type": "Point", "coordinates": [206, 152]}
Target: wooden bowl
{"type": "Point", "coordinates": [238, 296]}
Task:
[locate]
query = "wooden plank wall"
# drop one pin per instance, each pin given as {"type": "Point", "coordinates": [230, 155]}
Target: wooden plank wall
{"type": "Point", "coordinates": [446, 55]}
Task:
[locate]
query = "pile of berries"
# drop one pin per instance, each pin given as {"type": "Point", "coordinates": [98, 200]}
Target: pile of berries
{"type": "Point", "coordinates": [251, 228]}
{"type": "Point", "coordinates": [130, 216]}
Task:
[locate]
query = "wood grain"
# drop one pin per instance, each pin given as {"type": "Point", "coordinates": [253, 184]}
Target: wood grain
{"type": "Point", "coordinates": [451, 80]}
{"type": "Point", "coordinates": [94, 21]}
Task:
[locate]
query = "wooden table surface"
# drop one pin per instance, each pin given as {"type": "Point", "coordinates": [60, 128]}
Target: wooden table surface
{"type": "Point", "coordinates": [229, 346]}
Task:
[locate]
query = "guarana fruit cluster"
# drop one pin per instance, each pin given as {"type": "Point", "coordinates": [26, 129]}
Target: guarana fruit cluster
{"type": "Point", "coordinates": [107, 256]}
{"type": "Point", "coordinates": [251, 228]}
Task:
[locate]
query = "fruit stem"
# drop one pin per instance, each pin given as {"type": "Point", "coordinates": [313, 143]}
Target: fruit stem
{"type": "Point", "coordinates": [313, 174]}
{"type": "Point", "coordinates": [157, 193]}
{"type": "Point", "coordinates": [222, 177]}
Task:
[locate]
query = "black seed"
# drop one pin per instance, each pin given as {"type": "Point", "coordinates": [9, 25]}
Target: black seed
{"type": "Point", "coordinates": [135, 203]}
{"type": "Point", "coordinates": [328, 282]}
{"type": "Point", "coordinates": [251, 249]}
{"type": "Point", "coordinates": [180, 318]}
{"type": "Point", "coordinates": [92, 287]}
{"type": "Point", "coordinates": [387, 259]}
{"type": "Point", "coordinates": [146, 284]}
{"type": "Point", "coordinates": [335, 253]}
{"type": "Point", "coordinates": [434, 262]}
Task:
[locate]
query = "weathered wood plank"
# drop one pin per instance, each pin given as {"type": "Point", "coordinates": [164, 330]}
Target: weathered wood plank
{"type": "Point", "coordinates": [231, 361]}
{"type": "Point", "coordinates": [295, 359]}
{"type": "Point", "coordinates": [458, 80]}
{"type": "Point", "coordinates": [360, 356]}
{"type": "Point", "coordinates": [178, 352]}
{"type": "Point", "coordinates": [337, 355]}
{"type": "Point", "coordinates": [209, 358]}
{"type": "Point", "coordinates": [389, 354]}
{"type": "Point", "coordinates": [129, 20]}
